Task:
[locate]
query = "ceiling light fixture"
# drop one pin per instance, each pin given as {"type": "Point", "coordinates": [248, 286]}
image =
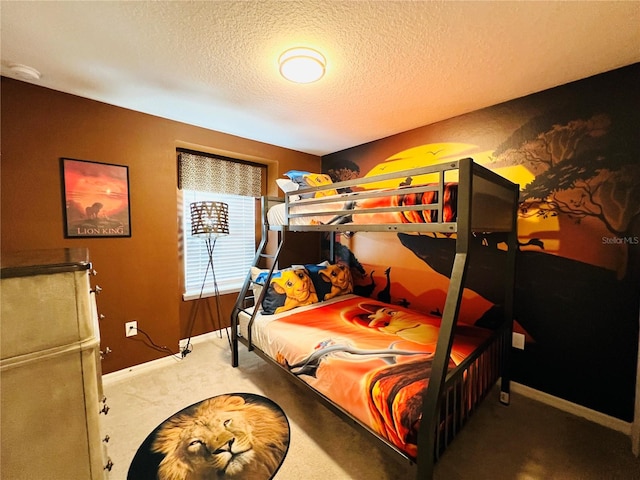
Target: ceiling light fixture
{"type": "Point", "coordinates": [302, 65]}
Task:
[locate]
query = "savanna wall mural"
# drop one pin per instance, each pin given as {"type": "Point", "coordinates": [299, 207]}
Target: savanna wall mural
{"type": "Point", "coordinates": [575, 152]}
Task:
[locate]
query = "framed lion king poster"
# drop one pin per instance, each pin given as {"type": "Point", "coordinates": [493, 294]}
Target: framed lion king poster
{"type": "Point", "coordinates": [96, 199]}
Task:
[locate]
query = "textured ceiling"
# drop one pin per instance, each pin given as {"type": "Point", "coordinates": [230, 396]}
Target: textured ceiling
{"type": "Point", "coordinates": [391, 66]}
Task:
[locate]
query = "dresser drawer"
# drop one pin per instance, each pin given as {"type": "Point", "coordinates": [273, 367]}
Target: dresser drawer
{"type": "Point", "coordinates": [41, 312]}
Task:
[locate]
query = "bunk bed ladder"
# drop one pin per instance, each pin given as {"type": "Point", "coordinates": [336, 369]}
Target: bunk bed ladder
{"type": "Point", "coordinates": [244, 296]}
{"type": "Point", "coordinates": [258, 301]}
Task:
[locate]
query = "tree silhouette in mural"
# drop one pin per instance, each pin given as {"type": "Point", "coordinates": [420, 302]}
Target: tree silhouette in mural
{"type": "Point", "coordinates": [341, 170]}
{"type": "Point", "coordinates": [585, 168]}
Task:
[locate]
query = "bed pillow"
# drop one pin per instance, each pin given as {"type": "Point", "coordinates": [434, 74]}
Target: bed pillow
{"type": "Point", "coordinates": [307, 180]}
{"type": "Point", "coordinates": [331, 280]}
{"type": "Point", "coordinates": [258, 276]}
{"type": "Point", "coordinates": [312, 269]}
{"type": "Point", "coordinates": [288, 289]}
{"type": "Point", "coordinates": [287, 185]}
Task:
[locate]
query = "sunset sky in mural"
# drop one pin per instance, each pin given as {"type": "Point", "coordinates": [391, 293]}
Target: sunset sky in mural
{"type": "Point", "coordinates": [435, 153]}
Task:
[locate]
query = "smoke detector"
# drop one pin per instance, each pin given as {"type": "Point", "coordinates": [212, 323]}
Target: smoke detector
{"type": "Point", "coordinates": [24, 72]}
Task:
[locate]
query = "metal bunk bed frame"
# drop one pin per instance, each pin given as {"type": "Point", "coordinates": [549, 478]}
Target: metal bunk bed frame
{"type": "Point", "coordinates": [486, 203]}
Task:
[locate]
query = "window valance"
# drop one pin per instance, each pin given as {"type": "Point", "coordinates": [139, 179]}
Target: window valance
{"type": "Point", "coordinates": [216, 174]}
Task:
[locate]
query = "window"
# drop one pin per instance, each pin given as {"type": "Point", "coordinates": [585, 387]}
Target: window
{"type": "Point", "coordinates": [232, 254]}
{"type": "Point", "coordinates": [202, 178]}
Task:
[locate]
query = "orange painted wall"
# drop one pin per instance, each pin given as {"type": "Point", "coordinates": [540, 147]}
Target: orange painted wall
{"type": "Point", "coordinates": [140, 275]}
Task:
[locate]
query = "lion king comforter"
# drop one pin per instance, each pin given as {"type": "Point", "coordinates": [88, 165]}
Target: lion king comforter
{"type": "Point", "coordinates": [371, 358]}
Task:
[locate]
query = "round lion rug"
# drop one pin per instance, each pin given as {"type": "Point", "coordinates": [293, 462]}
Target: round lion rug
{"type": "Point", "coordinates": [236, 436]}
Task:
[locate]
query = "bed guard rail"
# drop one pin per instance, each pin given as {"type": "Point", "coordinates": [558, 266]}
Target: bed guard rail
{"type": "Point", "coordinates": [492, 203]}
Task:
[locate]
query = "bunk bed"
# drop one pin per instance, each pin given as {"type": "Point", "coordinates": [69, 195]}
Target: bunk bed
{"type": "Point", "coordinates": [454, 369]}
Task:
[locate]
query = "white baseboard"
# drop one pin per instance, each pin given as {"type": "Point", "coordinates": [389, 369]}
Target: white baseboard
{"type": "Point", "coordinates": [118, 375]}
{"type": "Point", "coordinates": [569, 407]}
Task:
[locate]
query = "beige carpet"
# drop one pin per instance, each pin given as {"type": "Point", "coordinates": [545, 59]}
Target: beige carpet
{"type": "Point", "coordinates": [524, 441]}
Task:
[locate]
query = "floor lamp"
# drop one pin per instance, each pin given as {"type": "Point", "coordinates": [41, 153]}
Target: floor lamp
{"type": "Point", "coordinates": [209, 220]}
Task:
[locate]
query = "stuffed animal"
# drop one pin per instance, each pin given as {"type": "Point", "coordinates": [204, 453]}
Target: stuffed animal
{"type": "Point", "coordinates": [298, 288]}
{"type": "Point", "coordinates": [339, 276]}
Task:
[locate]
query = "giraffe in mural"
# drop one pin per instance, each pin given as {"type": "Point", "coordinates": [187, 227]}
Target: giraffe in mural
{"type": "Point", "coordinates": [384, 295]}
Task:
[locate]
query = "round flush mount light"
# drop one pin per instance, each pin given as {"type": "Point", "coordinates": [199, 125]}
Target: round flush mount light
{"type": "Point", "coordinates": [24, 72]}
{"type": "Point", "coordinates": [302, 65]}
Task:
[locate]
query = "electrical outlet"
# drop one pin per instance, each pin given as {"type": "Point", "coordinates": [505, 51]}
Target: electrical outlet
{"type": "Point", "coordinates": [517, 340]}
{"type": "Point", "coordinates": [131, 328]}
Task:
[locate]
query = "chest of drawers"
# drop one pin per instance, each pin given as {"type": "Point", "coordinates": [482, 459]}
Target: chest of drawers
{"type": "Point", "coordinates": [51, 396]}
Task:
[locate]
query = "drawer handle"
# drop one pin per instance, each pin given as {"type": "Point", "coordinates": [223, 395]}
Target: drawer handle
{"type": "Point", "coordinates": [109, 465]}
{"type": "Point", "coordinates": [105, 409]}
{"type": "Point", "coordinates": [106, 439]}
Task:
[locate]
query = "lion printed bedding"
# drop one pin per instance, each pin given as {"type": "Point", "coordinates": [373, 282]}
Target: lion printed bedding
{"type": "Point", "coordinates": [371, 358]}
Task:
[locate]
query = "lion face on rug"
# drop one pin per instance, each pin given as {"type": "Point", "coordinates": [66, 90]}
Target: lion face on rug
{"type": "Point", "coordinates": [222, 437]}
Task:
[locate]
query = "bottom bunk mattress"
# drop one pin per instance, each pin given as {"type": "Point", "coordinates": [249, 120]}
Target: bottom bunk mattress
{"type": "Point", "coordinates": [371, 359]}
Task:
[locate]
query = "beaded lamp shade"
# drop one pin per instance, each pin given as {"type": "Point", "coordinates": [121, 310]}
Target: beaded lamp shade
{"type": "Point", "coordinates": [209, 219]}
